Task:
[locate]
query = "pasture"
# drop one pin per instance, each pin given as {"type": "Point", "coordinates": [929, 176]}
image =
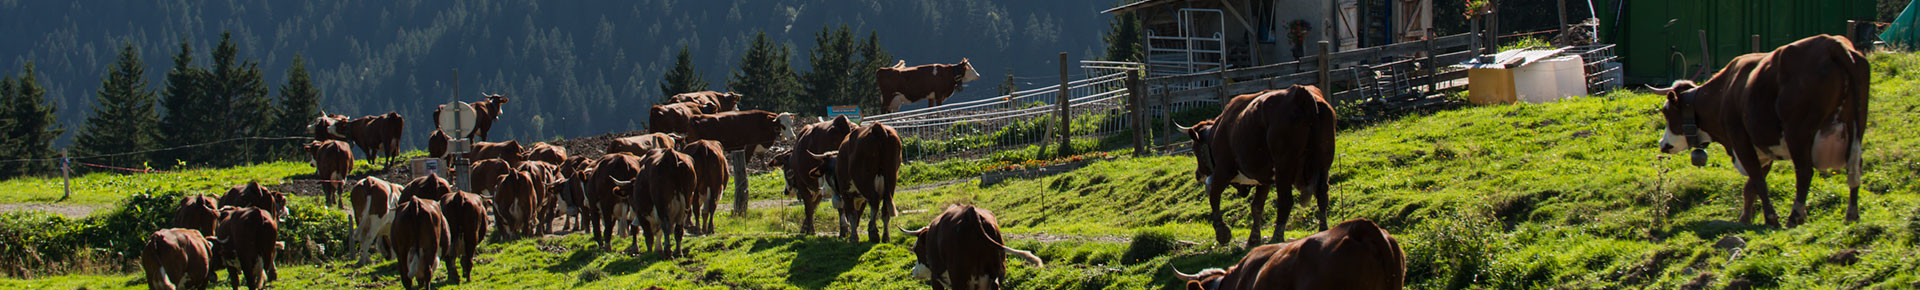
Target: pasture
{"type": "Point", "coordinates": [1564, 195]}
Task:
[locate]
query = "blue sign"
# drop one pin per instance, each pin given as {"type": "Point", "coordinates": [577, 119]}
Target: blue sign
{"type": "Point", "coordinates": [852, 113]}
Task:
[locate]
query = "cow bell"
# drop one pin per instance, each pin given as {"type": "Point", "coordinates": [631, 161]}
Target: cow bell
{"type": "Point", "coordinates": [1699, 157]}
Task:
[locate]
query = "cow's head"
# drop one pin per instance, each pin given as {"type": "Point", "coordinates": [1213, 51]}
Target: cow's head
{"type": "Point", "coordinates": [730, 101]}
{"type": "Point", "coordinates": [920, 248]}
{"type": "Point", "coordinates": [1682, 133]}
{"type": "Point", "coordinates": [493, 104]}
{"type": "Point", "coordinates": [970, 74]}
{"type": "Point", "coordinates": [806, 172]}
{"type": "Point", "coordinates": [1208, 279]}
{"type": "Point", "coordinates": [785, 121]}
{"type": "Point", "coordinates": [1202, 135]}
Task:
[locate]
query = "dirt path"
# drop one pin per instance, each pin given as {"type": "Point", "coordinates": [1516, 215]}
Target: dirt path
{"type": "Point", "coordinates": [68, 210]}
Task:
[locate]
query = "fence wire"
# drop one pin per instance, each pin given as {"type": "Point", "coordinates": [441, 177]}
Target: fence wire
{"type": "Point", "coordinates": [1021, 125]}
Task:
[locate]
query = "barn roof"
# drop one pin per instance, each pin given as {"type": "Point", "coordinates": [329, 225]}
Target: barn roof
{"type": "Point", "coordinates": [1138, 4]}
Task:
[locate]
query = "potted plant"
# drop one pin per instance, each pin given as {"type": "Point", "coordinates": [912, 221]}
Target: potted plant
{"type": "Point", "coordinates": [1297, 34]}
{"type": "Point", "coordinates": [1476, 9]}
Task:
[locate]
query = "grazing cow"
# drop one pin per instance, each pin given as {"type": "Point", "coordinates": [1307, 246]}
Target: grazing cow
{"type": "Point", "coordinates": [437, 144]}
{"type": "Point", "coordinates": [426, 187]}
{"type": "Point", "coordinates": [802, 172]}
{"type": "Point", "coordinates": [176, 259]}
{"type": "Point", "coordinates": [714, 169]}
{"type": "Point", "coordinates": [486, 174]}
{"type": "Point", "coordinates": [609, 201]}
{"type": "Point", "coordinates": [509, 151]}
{"type": "Point", "coordinates": [484, 111]}
{"type": "Point", "coordinates": [198, 212]}
{"type": "Point", "coordinates": [252, 194]}
{"type": "Point", "coordinates": [710, 102]}
{"type": "Point", "coordinates": [1805, 101]}
{"type": "Point", "coordinates": [639, 145]}
{"type": "Point", "coordinates": [740, 130]}
{"type": "Point", "coordinates": [373, 202]}
{"type": "Point", "coordinates": [332, 160]}
{"type": "Point", "coordinates": [248, 242]}
{"type": "Point", "coordinates": [1275, 137]}
{"type": "Point", "coordinates": [377, 135]}
{"type": "Point", "coordinates": [466, 216]}
{"type": "Point", "coordinates": [421, 234]}
{"type": "Point", "coordinates": [517, 202]}
{"type": "Point", "coordinates": [544, 152]}
{"type": "Point", "coordinates": [864, 172]}
{"type": "Point", "coordinates": [327, 127]}
{"type": "Point", "coordinates": [901, 85]}
{"type": "Point", "coordinates": [671, 118]}
{"type": "Point", "coordinates": [661, 197]}
{"type": "Point", "coordinates": [962, 249]}
{"type": "Point", "coordinates": [1357, 254]}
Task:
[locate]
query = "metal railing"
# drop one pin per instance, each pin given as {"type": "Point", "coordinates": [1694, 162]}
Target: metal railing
{"type": "Point", "coordinates": [1023, 122]}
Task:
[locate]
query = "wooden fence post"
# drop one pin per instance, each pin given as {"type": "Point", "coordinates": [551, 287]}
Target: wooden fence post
{"type": "Point", "coordinates": [66, 176]}
{"type": "Point", "coordinates": [1066, 129]}
{"type": "Point", "coordinates": [740, 181]}
{"type": "Point", "coordinates": [1137, 111]}
{"type": "Point", "coordinates": [1429, 65]}
{"type": "Point", "coordinates": [1326, 85]}
{"type": "Point", "coordinates": [1166, 108]}
{"type": "Point", "coordinates": [1756, 43]}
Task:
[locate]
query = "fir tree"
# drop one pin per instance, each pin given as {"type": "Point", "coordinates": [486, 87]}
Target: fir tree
{"type": "Point", "coordinates": [31, 127]}
{"type": "Point", "coordinates": [832, 65]}
{"type": "Point", "coordinates": [238, 91]}
{"type": "Point", "coordinates": [765, 77]}
{"type": "Point", "coordinates": [683, 78]}
{"type": "Point", "coordinates": [299, 104]}
{"type": "Point", "coordinates": [1123, 38]}
{"type": "Point", "coordinates": [187, 111]}
{"type": "Point", "coordinates": [124, 117]}
{"type": "Point", "coordinates": [866, 90]}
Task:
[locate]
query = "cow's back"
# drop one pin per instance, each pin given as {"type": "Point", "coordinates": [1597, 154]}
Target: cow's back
{"type": "Point", "coordinates": [178, 256]}
{"type": "Point", "coordinates": [197, 212]}
{"type": "Point", "coordinates": [466, 217]}
{"type": "Point", "coordinates": [1355, 254]}
{"type": "Point", "coordinates": [736, 130]}
{"type": "Point", "coordinates": [420, 234]}
{"type": "Point", "coordinates": [1291, 128]}
{"type": "Point", "coordinates": [711, 161]}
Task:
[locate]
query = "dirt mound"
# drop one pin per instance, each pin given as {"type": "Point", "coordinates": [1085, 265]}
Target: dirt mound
{"type": "Point", "coordinates": [593, 146]}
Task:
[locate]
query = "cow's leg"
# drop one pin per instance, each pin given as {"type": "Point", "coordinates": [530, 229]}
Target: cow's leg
{"type": "Point", "coordinates": [810, 204]}
{"type": "Point", "coordinates": [1215, 184]}
{"type": "Point", "coordinates": [273, 272]}
{"type": "Point", "coordinates": [466, 262]}
{"type": "Point", "coordinates": [1257, 200]}
{"type": "Point", "coordinates": [886, 214]}
{"type": "Point", "coordinates": [1803, 170]}
{"type": "Point", "coordinates": [1756, 189]}
{"type": "Point", "coordinates": [452, 260]}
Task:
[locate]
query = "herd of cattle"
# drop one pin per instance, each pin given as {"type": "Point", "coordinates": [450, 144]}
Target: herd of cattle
{"type": "Point", "coordinates": [1805, 102]}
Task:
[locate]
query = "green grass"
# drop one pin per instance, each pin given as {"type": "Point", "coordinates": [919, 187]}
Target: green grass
{"type": "Point", "coordinates": [1564, 195]}
{"type": "Point", "coordinates": [108, 187]}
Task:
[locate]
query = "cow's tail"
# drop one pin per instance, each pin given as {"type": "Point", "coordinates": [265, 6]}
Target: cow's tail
{"type": "Point", "coordinates": [1860, 86]}
{"type": "Point", "coordinates": [994, 237]}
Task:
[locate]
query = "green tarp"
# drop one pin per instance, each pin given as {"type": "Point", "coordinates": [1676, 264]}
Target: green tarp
{"type": "Point", "coordinates": [1903, 33]}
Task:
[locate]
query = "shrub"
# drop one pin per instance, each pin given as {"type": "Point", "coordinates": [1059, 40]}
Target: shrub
{"type": "Point", "coordinates": [39, 242]}
{"type": "Point", "coordinates": [1147, 244]}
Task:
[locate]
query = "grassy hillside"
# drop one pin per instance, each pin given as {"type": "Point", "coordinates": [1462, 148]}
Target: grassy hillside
{"type": "Point", "coordinates": [1563, 195]}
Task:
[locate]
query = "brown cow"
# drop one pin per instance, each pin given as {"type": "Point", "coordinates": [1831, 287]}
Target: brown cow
{"type": "Point", "coordinates": [710, 102]}
{"type": "Point", "coordinates": [738, 130]}
{"type": "Point", "coordinates": [176, 259]}
{"type": "Point", "coordinates": [1357, 254]}
{"type": "Point", "coordinates": [714, 169]}
{"type": "Point", "coordinates": [609, 201]}
{"type": "Point", "coordinates": [547, 185]}
{"type": "Point", "coordinates": [517, 203]}
{"type": "Point", "coordinates": [962, 249]}
{"type": "Point", "coordinates": [864, 172]}
{"type": "Point", "coordinates": [332, 161]}
{"type": "Point", "coordinates": [377, 135]}
{"type": "Point", "coordinates": [1805, 101]}
{"type": "Point", "coordinates": [485, 112]}
{"type": "Point", "coordinates": [1275, 137]}
{"type": "Point", "coordinates": [426, 187]}
{"type": "Point", "coordinates": [486, 174]}
{"type": "Point", "coordinates": [671, 118]}
{"type": "Point", "coordinates": [437, 144]}
{"type": "Point", "coordinates": [252, 194]}
{"type": "Point", "coordinates": [373, 202]}
{"type": "Point", "coordinates": [509, 151]}
{"type": "Point", "coordinates": [466, 216]}
{"type": "Point", "coordinates": [901, 85]}
{"type": "Point", "coordinates": [544, 152]}
{"type": "Point", "coordinates": [249, 241]}
{"type": "Point", "coordinates": [571, 191]}
{"type": "Point", "coordinates": [198, 212]}
{"type": "Point", "coordinates": [661, 198]}
{"type": "Point", "coordinates": [421, 236]}
{"type": "Point", "coordinates": [327, 127]}
{"type": "Point", "coordinates": [800, 170]}
{"type": "Point", "coordinates": [639, 145]}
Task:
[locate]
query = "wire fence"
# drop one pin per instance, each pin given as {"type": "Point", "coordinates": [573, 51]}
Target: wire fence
{"type": "Point", "coordinates": [1017, 125]}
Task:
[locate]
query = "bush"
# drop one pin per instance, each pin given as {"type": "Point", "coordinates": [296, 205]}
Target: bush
{"type": "Point", "coordinates": [1456, 249]}
{"type": "Point", "coordinates": [1147, 244]}
{"type": "Point", "coordinates": [40, 242]}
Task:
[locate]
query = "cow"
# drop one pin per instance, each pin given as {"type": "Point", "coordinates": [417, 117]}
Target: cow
{"type": "Point", "coordinates": [1275, 137]}
{"type": "Point", "coordinates": [373, 201]}
{"type": "Point", "coordinates": [426, 187]}
{"type": "Point", "coordinates": [437, 144]}
{"type": "Point", "coordinates": [1357, 254]}
{"type": "Point", "coordinates": [547, 182]}
{"type": "Point", "coordinates": [485, 112]}
{"type": "Point", "coordinates": [510, 151]}
{"type": "Point", "coordinates": [661, 196]}
{"type": "Point", "coordinates": [327, 127]}
{"type": "Point", "coordinates": [484, 175]}
{"type": "Point", "coordinates": [466, 217]}
{"type": "Point", "coordinates": [252, 194]}
{"type": "Point", "coordinates": [754, 130]}
{"type": "Point", "coordinates": [862, 177]}
{"type": "Point", "coordinates": [176, 258]}
{"type": "Point", "coordinates": [420, 235]}
{"type": "Point", "coordinates": [517, 201]}
{"type": "Point", "coordinates": [544, 152]}
{"type": "Point", "coordinates": [671, 118]}
{"type": "Point", "coordinates": [801, 171]}
{"type": "Point", "coordinates": [571, 191]}
{"type": "Point", "coordinates": [712, 162]}
{"type": "Point", "coordinates": [900, 85]}
{"type": "Point", "coordinates": [377, 135]}
{"type": "Point", "coordinates": [638, 145]}
{"type": "Point", "coordinates": [1805, 102]}
{"type": "Point", "coordinates": [609, 201]}
{"type": "Point", "coordinates": [248, 241]}
{"type": "Point", "coordinates": [962, 249]}
{"type": "Point", "coordinates": [198, 212]}
{"type": "Point", "coordinates": [332, 161]}
{"type": "Point", "coordinates": [710, 102]}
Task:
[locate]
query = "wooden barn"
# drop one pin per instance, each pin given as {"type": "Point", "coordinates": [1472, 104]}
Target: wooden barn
{"type": "Point", "coordinates": [1190, 36]}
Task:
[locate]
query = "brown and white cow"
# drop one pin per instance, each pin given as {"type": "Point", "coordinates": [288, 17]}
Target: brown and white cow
{"type": "Point", "coordinates": [802, 172]}
{"type": "Point", "coordinates": [486, 174]}
{"type": "Point", "coordinates": [510, 151]}
{"type": "Point", "coordinates": [198, 212]}
{"type": "Point", "coordinates": [639, 145]}
{"type": "Point", "coordinates": [1805, 102]}
{"type": "Point", "coordinates": [609, 200]}
{"type": "Point", "coordinates": [517, 203]}
{"type": "Point", "coordinates": [544, 152]}
{"type": "Point", "coordinates": [710, 102]}
{"type": "Point", "coordinates": [373, 201]}
{"type": "Point", "coordinates": [864, 172]}
{"type": "Point", "coordinates": [485, 113]}
{"type": "Point", "coordinates": [712, 162]}
{"type": "Point", "coordinates": [332, 161]}
{"type": "Point", "coordinates": [426, 187]}
{"type": "Point", "coordinates": [420, 235]}
{"type": "Point", "coordinates": [671, 118]}
{"type": "Point", "coordinates": [1357, 254]}
{"type": "Point", "coordinates": [466, 216]}
{"type": "Point", "coordinates": [377, 135]}
{"type": "Point", "coordinates": [754, 130]}
{"type": "Point", "coordinates": [962, 249]}
{"type": "Point", "coordinates": [901, 85]}
{"type": "Point", "coordinates": [327, 127]}
{"type": "Point", "coordinates": [547, 184]}
{"type": "Point", "coordinates": [252, 194]}
{"type": "Point", "coordinates": [177, 259]}
{"type": "Point", "coordinates": [661, 198]}
{"type": "Point", "coordinates": [1271, 138]}
{"type": "Point", "coordinates": [571, 191]}
{"type": "Point", "coordinates": [249, 241]}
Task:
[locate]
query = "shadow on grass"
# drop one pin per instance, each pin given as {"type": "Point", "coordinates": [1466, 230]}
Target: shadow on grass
{"type": "Point", "coordinates": [1711, 229]}
{"type": "Point", "coordinates": [817, 260]}
{"type": "Point", "coordinates": [579, 259]}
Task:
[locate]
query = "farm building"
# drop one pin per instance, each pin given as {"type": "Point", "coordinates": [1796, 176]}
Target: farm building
{"type": "Point", "coordinates": [1189, 36]}
{"type": "Point", "coordinates": [1649, 32]}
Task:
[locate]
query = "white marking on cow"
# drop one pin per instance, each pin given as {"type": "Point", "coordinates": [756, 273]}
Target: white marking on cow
{"type": "Point", "coordinates": [1737, 165]}
{"type": "Point", "coordinates": [971, 74]}
{"type": "Point", "coordinates": [166, 278]}
{"type": "Point", "coordinates": [1242, 179]}
{"type": "Point", "coordinates": [930, 96]}
{"type": "Point", "coordinates": [1667, 143]}
{"type": "Point", "coordinates": [879, 183]}
{"type": "Point", "coordinates": [921, 272]}
{"type": "Point", "coordinates": [899, 99]}
{"type": "Point", "coordinates": [982, 282]}
{"type": "Point", "coordinates": [826, 187]}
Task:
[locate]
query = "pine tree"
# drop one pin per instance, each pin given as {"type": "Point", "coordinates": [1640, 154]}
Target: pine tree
{"type": "Point", "coordinates": [239, 93]}
{"type": "Point", "coordinates": [187, 111]}
{"type": "Point", "coordinates": [866, 90]}
{"type": "Point", "coordinates": [124, 117]}
{"type": "Point", "coordinates": [32, 125]}
{"type": "Point", "coordinates": [1123, 38]}
{"type": "Point", "coordinates": [765, 77]}
{"type": "Point", "coordinates": [683, 78]}
{"type": "Point", "coordinates": [299, 104]}
{"type": "Point", "coordinates": [832, 65]}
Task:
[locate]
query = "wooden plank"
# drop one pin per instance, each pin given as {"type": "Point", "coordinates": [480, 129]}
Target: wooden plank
{"type": "Point", "coordinates": [1403, 48]}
